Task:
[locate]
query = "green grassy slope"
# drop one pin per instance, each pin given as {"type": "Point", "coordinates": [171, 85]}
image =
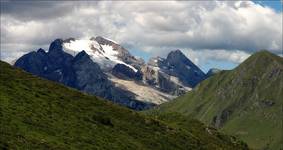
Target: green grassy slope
{"type": "Point", "coordinates": [246, 102]}
{"type": "Point", "coordinates": [40, 114]}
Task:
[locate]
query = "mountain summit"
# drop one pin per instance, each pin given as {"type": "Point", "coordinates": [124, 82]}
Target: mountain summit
{"type": "Point", "coordinates": [184, 68]}
{"type": "Point", "coordinates": [175, 74]}
{"type": "Point", "coordinates": [102, 51]}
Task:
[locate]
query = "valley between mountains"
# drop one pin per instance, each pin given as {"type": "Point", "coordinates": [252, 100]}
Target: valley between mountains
{"type": "Point", "coordinates": [93, 94]}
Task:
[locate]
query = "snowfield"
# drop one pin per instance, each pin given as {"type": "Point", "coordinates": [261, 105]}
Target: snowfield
{"type": "Point", "coordinates": [104, 55]}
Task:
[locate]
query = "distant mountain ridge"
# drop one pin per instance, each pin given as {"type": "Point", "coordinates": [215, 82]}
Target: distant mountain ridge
{"type": "Point", "coordinates": [246, 101]}
{"type": "Point", "coordinates": [117, 75]}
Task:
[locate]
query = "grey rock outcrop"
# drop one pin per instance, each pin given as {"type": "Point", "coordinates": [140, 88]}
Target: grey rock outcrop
{"type": "Point", "coordinates": [124, 72]}
{"type": "Point", "coordinates": [173, 75]}
{"type": "Point", "coordinates": [54, 65]}
{"type": "Point", "coordinates": [184, 69]}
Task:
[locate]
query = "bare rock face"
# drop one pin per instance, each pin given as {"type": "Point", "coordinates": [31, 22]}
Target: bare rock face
{"type": "Point", "coordinates": [124, 72]}
{"type": "Point", "coordinates": [54, 65]}
{"type": "Point", "coordinates": [89, 77]}
{"type": "Point", "coordinates": [162, 81]}
{"type": "Point", "coordinates": [150, 75]}
{"type": "Point", "coordinates": [158, 62]}
{"type": "Point", "coordinates": [184, 69]}
{"type": "Point", "coordinates": [221, 118]}
{"type": "Point", "coordinates": [176, 74]}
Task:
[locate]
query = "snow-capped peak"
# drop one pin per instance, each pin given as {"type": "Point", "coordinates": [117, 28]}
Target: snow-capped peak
{"type": "Point", "coordinates": [110, 40]}
{"type": "Point", "coordinates": [103, 54]}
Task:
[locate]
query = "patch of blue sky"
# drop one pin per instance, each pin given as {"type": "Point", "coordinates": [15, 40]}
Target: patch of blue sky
{"type": "Point", "coordinates": [274, 4]}
{"type": "Point", "coordinates": [142, 54]}
{"type": "Point", "coordinates": [219, 64]}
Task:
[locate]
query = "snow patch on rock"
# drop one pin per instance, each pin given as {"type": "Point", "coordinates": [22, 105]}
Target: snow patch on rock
{"type": "Point", "coordinates": [104, 55]}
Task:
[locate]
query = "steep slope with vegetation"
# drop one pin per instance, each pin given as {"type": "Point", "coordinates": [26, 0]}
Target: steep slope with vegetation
{"type": "Point", "coordinates": [246, 102]}
{"type": "Point", "coordinates": [41, 114]}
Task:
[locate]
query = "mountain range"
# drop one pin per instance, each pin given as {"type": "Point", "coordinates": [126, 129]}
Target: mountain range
{"type": "Point", "coordinates": [101, 67]}
{"type": "Point", "coordinates": [36, 113]}
{"type": "Point", "coordinates": [245, 102]}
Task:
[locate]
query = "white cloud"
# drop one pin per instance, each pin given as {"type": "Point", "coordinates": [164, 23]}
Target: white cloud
{"type": "Point", "coordinates": [214, 29]}
{"type": "Point", "coordinates": [235, 56]}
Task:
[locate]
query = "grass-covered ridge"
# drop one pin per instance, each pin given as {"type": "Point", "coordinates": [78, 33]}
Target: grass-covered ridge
{"type": "Point", "coordinates": [40, 114]}
{"type": "Point", "coordinates": [246, 101]}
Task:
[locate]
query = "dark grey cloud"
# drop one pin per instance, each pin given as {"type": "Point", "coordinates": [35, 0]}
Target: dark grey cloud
{"type": "Point", "coordinates": [36, 10]}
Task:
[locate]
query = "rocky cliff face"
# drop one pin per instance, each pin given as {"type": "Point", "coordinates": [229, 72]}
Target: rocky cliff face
{"type": "Point", "coordinates": [124, 72]}
{"type": "Point", "coordinates": [54, 65]}
{"type": "Point", "coordinates": [176, 74]}
{"type": "Point", "coordinates": [162, 81]}
{"type": "Point", "coordinates": [104, 68]}
{"type": "Point", "coordinates": [184, 69]}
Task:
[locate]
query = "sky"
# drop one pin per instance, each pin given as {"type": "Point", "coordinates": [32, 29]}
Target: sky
{"type": "Point", "coordinates": [213, 34]}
